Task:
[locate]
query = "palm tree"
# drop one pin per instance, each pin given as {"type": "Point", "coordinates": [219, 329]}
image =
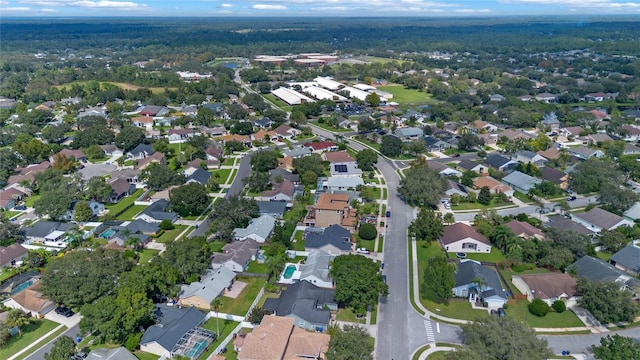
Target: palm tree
{"type": "Point", "coordinates": [216, 303]}
{"type": "Point", "coordinates": [17, 318]}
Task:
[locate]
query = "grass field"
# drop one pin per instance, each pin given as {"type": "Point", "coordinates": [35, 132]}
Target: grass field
{"type": "Point", "coordinates": [146, 255]}
{"type": "Point", "coordinates": [407, 96]}
{"type": "Point", "coordinates": [123, 86]}
{"type": "Point", "coordinates": [131, 212]}
{"type": "Point", "coordinates": [122, 204]}
{"type": "Point", "coordinates": [171, 235]}
{"type": "Point", "coordinates": [298, 241]}
{"type": "Point", "coordinates": [145, 356]}
{"type": "Point", "coordinates": [241, 304]}
{"type": "Point", "coordinates": [553, 319]}
{"type": "Point", "coordinates": [225, 326]}
{"type": "Point", "coordinates": [495, 256]}
{"type": "Point", "coordinates": [41, 343]}
{"type": "Point", "coordinates": [30, 333]}
{"type": "Point", "coordinates": [478, 206]}
{"type": "Point", "coordinates": [222, 175]}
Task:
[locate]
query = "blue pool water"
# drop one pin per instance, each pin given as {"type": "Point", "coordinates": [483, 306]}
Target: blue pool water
{"type": "Point", "coordinates": [107, 234]}
{"type": "Point", "coordinates": [22, 286]}
{"type": "Point", "coordinates": [288, 272]}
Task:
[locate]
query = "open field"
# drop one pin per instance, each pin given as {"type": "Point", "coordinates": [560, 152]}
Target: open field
{"type": "Point", "coordinates": [30, 333]}
{"type": "Point", "coordinates": [407, 96]}
{"type": "Point", "coordinates": [123, 86]}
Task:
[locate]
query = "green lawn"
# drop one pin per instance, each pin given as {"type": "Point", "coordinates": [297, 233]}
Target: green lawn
{"type": "Point", "coordinates": [124, 203]}
{"type": "Point", "coordinates": [171, 235]}
{"type": "Point", "coordinates": [256, 267]}
{"type": "Point", "coordinates": [522, 197]}
{"type": "Point", "coordinates": [330, 128]}
{"type": "Point", "coordinates": [478, 206]}
{"type": "Point", "coordinates": [371, 144]}
{"type": "Point", "coordinates": [145, 356]}
{"type": "Point", "coordinates": [131, 212]}
{"type": "Point", "coordinates": [225, 326]}
{"type": "Point", "coordinates": [494, 256]}
{"type": "Point", "coordinates": [367, 244]}
{"type": "Point", "coordinates": [216, 246]}
{"type": "Point", "coordinates": [11, 213]}
{"type": "Point", "coordinates": [348, 315]}
{"type": "Point", "coordinates": [146, 255]}
{"type": "Point", "coordinates": [241, 304]}
{"type": "Point", "coordinates": [298, 242]}
{"type": "Point", "coordinates": [30, 333]}
{"type": "Point", "coordinates": [230, 161]}
{"type": "Point", "coordinates": [41, 343]}
{"type": "Point", "coordinates": [31, 199]}
{"type": "Point", "coordinates": [222, 175]}
{"type": "Point", "coordinates": [456, 309]}
{"type": "Point", "coordinates": [380, 243]}
{"type": "Point", "coordinates": [438, 355]}
{"type": "Point", "coordinates": [275, 100]}
{"type": "Point", "coordinates": [604, 256]}
{"type": "Point", "coordinates": [553, 319]}
{"type": "Point", "coordinates": [407, 96]}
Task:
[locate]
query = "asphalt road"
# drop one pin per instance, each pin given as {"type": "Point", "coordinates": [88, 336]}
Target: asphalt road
{"type": "Point", "coordinates": [39, 355]}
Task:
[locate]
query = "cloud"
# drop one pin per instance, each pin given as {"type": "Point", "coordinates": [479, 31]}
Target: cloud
{"type": "Point", "coordinates": [226, 5]}
{"type": "Point", "coordinates": [48, 10]}
{"type": "Point", "coordinates": [268, 7]}
{"type": "Point", "coordinates": [473, 11]}
{"type": "Point", "coordinates": [15, 9]}
{"type": "Point", "coordinates": [108, 4]}
{"type": "Point", "coordinates": [592, 4]}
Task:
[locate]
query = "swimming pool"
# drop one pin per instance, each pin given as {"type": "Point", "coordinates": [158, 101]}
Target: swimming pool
{"type": "Point", "coordinates": [107, 234]}
{"type": "Point", "coordinates": [22, 286]}
{"type": "Point", "coordinates": [288, 272]}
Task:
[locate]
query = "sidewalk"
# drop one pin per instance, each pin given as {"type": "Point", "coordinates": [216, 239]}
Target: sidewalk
{"type": "Point", "coordinates": [67, 322]}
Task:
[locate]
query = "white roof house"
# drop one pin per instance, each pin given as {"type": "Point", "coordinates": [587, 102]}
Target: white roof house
{"type": "Point", "coordinates": [258, 229]}
{"type": "Point", "coordinates": [323, 94]}
{"type": "Point", "coordinates": [356, 93]}
{"type": "Point", "coordinates": [316, 269]}
{"type": "Point", "coordinates": [364, 87]}
{"type": "Point", "coordinates": [343, 182]}
{"type": "Point", "coordinates": [328, 83]}
{"type": "Point", "coordinates": [291, 97]}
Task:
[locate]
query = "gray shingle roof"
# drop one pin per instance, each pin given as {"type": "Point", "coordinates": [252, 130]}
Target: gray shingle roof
{"type": "Point", "coordinates": [200, 175]}
{"type": "Point", "coordinates": [142, 226]}
{"type": "Point", "coordinates": [469, 270]}
{"type": "Point", "coordinates": [496, 160]}
{"type": "Point", "coordinates": [119, 353]}
{"type": "Point", "coordinates": [172, 323]}
{"type": "Point", "coordinates": [334, 235]}
{"type": "Point", "coordinates": [44, 228]}
{"type": "Point", "coordinates": [157, 210]}
{"type": "Point", "coordinates": [142, 150]}
{"type": "Point", "coordinates": [521, 180]}
{"type": "Point", "coordinates": [262, 227]}
{"type": "Point", "coordinates": [467, 164]}
{"type": "Point", "coordinates": [597, 270]}
{"type": "Point", "coordinates": [599, 217]}
{"type": "Point", "coordinates": [317, 264]}
{"type": "Point", "coordinates": [211, 285]}
{"type": "Point", "coordinates": [629, 257]}
{"type": "Point", "coordinates": [304, 300]}
{"type": "Point", "coordinates": [272, 207]}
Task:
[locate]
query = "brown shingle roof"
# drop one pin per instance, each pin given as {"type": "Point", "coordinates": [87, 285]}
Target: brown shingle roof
{"type": "Point", "coordinates": [267, 340]}
{"type": "Point", "coordinates": [32, 300]}
{"type": "Point", "coordinates": [238, 251]}
{"type": "Point", "coordinates": [520, 228]}
{"type": "Point", "coordinates": [285, 187]}
{"type": "Point", "coordinates": [305, 344]}
{"type": "Point", "coordinates": [337, 157]}
{"type": "Point", "coordinates": [551, 153]}
{"type": "Point", "coordinates": [459, 231]}
{"type": "Point", "coordinates": [551, 285]}
{"type": "Point", "coordinates": [332, 201]}
{"type": "Point", "coordinates": [11, 252]}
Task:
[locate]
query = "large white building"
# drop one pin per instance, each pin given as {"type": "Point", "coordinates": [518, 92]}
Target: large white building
{"type": "Point", "coordinates": [323, 94]}
{"type": "Point", "coordinates": [291, 96]}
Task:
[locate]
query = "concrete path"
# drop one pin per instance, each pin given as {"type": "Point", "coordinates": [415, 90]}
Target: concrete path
{"type": "Point", "coordinates": [433, 348]}
{"type": "Point", "coordinates": [63, 321]}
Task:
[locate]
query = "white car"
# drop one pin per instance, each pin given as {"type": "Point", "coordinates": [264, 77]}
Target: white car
{"type": "Point", "coordinates": [363, 251]}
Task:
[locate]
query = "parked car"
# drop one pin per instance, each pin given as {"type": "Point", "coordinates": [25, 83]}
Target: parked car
{"type": "Point", "coordinates": [20, 207]}
{"type": "Point", "coordinates": [384, 279]}
{"type": "Point", "coordinates": [64, 311]}
{"type": "Point", "coordinates": [388, 214]}
{"type": "Point", "coordinates": [571, 198]}
{"type": "Point", "coordinates": [363, 251]}
{"type": "Point", "coordinates": [499, 312]}
{"type": "Point", "coordinates": [455, 155]}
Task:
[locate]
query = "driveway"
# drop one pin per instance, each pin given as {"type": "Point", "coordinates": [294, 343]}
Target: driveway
{"type": "Point", "coordinates": [91, 170]}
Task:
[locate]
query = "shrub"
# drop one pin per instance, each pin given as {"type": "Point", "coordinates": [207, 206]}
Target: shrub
{"type": "Point", "coordinates": [272, 288]}
{"type": "Point", "coordinates": [133, 341]}
{"type": "Point", "coordinates": [367, 232]}
{"type": "Point", "coordinates": [559, 306]}
{"type": "Point", "coordinates": [538, 308]}
{"type": "Point", "coordinates": [166, 225]}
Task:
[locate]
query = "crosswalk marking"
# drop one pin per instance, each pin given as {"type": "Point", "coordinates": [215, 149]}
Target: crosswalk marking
{"type": "Point", "coordinates": [429, 328]}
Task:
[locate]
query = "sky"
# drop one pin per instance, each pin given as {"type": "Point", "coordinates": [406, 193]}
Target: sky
{"type": "Point", "coordinates": [314, 8]}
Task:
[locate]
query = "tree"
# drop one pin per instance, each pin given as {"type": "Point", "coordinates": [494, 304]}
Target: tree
{"type": "Point", "coordinates": [190, 257]}
{"type": "Point", "coordinates": [190, 199]}
{"type": "Point", "coordinates": [16, 318]}
{"type": "Point", "coordinates": [160, 177]}
{"type": "Point", "coordinates": [257, 314]}
{"type": "Point", "coordinates": [259, 181]}
{"type": "Point", "coordinates": [501, 338]}
{"type": "Point", "coordinates": [373, 99]}
{"type": "Point", "coordinates": [230, 213]}
{"type": "Point", "coordinates": [421, 186]}
{"type": "Point", "coordinates": [591, 174]}
{"type": "Point", "coordinates": [469, 142]}
{"type": "Point", "coordinates": [98, 189]}
{"type": "Point", "coordinates": [367, 231]}
{"type": "Point", "coordinates": [32, 150]}
{"type": "Point", "coordinates": [298, 118]}
{"type": "Point", "coordinates": [215, 304]}
{"type": "Point", "coordinates": [559, 306]}
{"type": "Point", "coordinates": [367, 124]}
{"type": "Point", "coordinates": [358, 282]}
{"type": "Point", "coordinates": [612, 241]}
{"type": "Point", "coordinates": [82, 212]}
{"type": "Point", "coordinates": [54, 203]}
{"type": "Point", "coordinates": [8, 162]}
{"type": "Point", "coordinates": [94, 152]}
{"type": "Point", "coordinates": [63, 349]}
{"type": "Point", "coordinates": [538, 308]}
{"type": "Point", "coordinates": [9, 231]}
{"type": "Point", "coordinates": [427, 226]}
{"type": "Point", "coordinates": [311, 162]}
{"type": "Point", "coordinates": [5, 335]}
{"type": "Point", "coordinates": [606, 301]}
{"type": "Point", "coordinates": [391, 146]}
{"type": "Point", "coordinates": [616, 347]}
{"type": "Point", "coordinates": [242, 127]}
{"type": "Point", "coordinates": [367, 159]}
{"type": "Point", "coordinates": [56, 133]}
{"type": "Point", "coordinates": [264, 160]}
{"type": "Point", "coordinates": [63, 163]}
{"type": "Point", "coordinates": [350, 343]}
{"type": "Point", "coordinates": [617, 198]}
{"type": "Point", "coordinates": [130, 137]}
{"type": "Point", "coordinates": [415, 147]}
{"type": "Point", "coordinates": [309, 178]}
{"type": "Point", "coordinates": [438, 280]}
{"type": "Point", "coordinates": [449, 218]}
{"type": "Point", "coordinates": [94, 135]}
{"type": "Point", "coordinates": [484, 196]}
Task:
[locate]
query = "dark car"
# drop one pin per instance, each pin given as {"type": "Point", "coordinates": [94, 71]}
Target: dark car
{"type": "Point", "coordinates": [499, 312]}
{"type": "Point", "coordinates": [455, 155]}
{"type": "Point", "coordinates": [20, 207]}
{"type": "Point", "coordinates": [64, 311]}
{"type": "Point", "coordinates": [384, 279]}
{"type": "Point", "coordinates": [571, 198]}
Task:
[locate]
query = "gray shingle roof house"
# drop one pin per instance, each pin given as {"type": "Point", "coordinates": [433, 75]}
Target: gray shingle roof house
{"type": "Point", "coordinates": [297, 152]}
{"type": "Point", "coordinates": [521, 181]}
{"type": "Point", "coordinates": [594, 269]}
{"type": "Point", "coordinates": [316, 269]}
{"type": "Point", "coordinates": [212, 284]}
{"type": "Point", "coordinates": [584, 153]}
{"type": "Point", "coordinates": [119, 353]}
{"type": "Point", "coordinates": [598, 219]}
{"type": "Point", "coordinates": [468, 165]}
{"type": "Point", "coordinates": [526, 156]}
{"type": "Point", "coordinates": [39, 230]}
{"type": "Point", "coordinates": [627, 259]}
{"type": "Point", "coordinates": [334, 239]}
{"type": "Point", "coordinates": [10, 255]}
{"type": "Point", "coordinates": [499, 162]}
{"type": "Point", "coordinates": [435, 144]}
{"type": "Point", "coordinates": [200, 176]}
{"type": "Point", "coordinates": [140, 151]}
{"type": "Point", "coordinates": [466, 277]}
{"type": "Point", "coordinates": [172, 323]}
{"type": "Point", "coordinates": [408, 133]}
{"type": "Point", "coordinates": [258, 229]}
{"type": "Point", "coordinates": [274, 209]}
{"type": "Point", "coordinates": [561, 222]}
{"type": "Point", "coordinates": [236, 255]}
{"type": "Point", "coordinates": [286, 175]}
{"type": "Point", "coordinates": [306, 303]}
{"type": "Point", "coordinates": [157, 212]}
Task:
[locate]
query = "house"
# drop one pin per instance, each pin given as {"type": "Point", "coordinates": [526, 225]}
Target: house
{"type": "Point", "coordinates": [479, 283]}
{"type": "Point", "coordinates": [47, 232]}
{"type": "Point", "coordinates": [199, 175]}
{"type": "Point", "coordinates": [551, 153]}
{"type": "Point", "coordinates": [258, 229]}
{"type": "Point", "coordinates": [345, 169]}
{"type": "Point", "coordinates": [584, 153]}
{"type": "Point", "coordinates": [562, 223]}
{"type": "Point", "coordinates": [120, 188]}
{"type": "Point", "coordinates": [212, 285]}
{"type": "Point", "coordinates": [453, 187]}
{"type": "Point", "coordinates": [12, 255]}
{"type": "Point", "coordinates": [282, 191]}
{"type": "Point", "coordinates": [595, 139]}
{"type": "Point", "coordinates": [461, 237]}
{"type": "Point", "coordinates": [598, 219]}
{"type": "Point", "coordinates": [489, 139]}
{"type": "Point", "coordinates": [219, 130]}
{"type": "Point", "coordinates": [157, 212]}
{"type": "Point", "coordinates": [277, 173]}
{"type": "Point", "coordinates": [407, 134]}
{"type": "Point", "coordinates": [482, 126]}
{"type": "Point", "coordinates": [10, 197]}
{"type": "Point", "coordinates": [338, 157]}
{"type": "Point", "coordinates": [468, 165]}
{"type": "Point", "coordinates": [214, 156]}
{"type": "Point", "coordinates": [551, 122]}
{"type": "Point", "coordinates": [154, 110]}
{"type": "Point", "coordinates": [156, 157]}
{"type": "Point", "coordinates": [140, 152]}
{"type": "Point", "coordinates": [524, 230]}
{"type": "Point", "coordinates": [334, 239]}
{"type": "Point", "coordinates": [309, 305]}
{"type": "Point", "coordinates": [70, 154]}
{"type": "Point", "coordinates": [331, 209]}
{"type": "Point", "coordinates": [217, 108]}
{"type": "Point", "coordinates": [275, 209]}
{"type": "Point", "coordinates": [633, 114]}
{"type": "Point", "coordinates": [548, 287]}
{"type": "Point", "coordinates": [286, 132]}
{"type": "Point", "coordinates": [321, 146]}
{"type": "Point", "coordinates": [443, 169]}
{"type": "Point", "coordinates": [28, 173]}
{"type": "Point", "coordinates": [180, 135]}
{"type": "Point", "coordinates": [436, 144]}
{"type": "Point", "coordinates": [243, 139]}
{"type": "Point", "coordinates": [597, 96]}
{"type": "Point", "coordinates": [546, 97]}
{"type": "Point", "coordinates": [495, 186]}
{"type": "Point", "coordinates": [31, 301]}
{"type": "Point", "coordinates": [529, 157]}
{"type": "Point", "coordinates": [627, 259]}
{"type": "Point", "coordinates": [119, 353]}
{"type": "Point", "coordinates": [594, 269]}
{"type": "Point", "coordinates": [277, 338]}
{"type": "Point", "coordinates": [264, 123]}
{"type": "Point", "coordinates": [96, 209]}
{"type": "Point", "coordinates": [142, 121]}
{"type": "Point", "coordinates": [236, 255]}
{"type": "Point", "coordinates": [500, 162]}
{"type": "Point", "coordinates": [342, 183]}
{"type": "Point", "coordinates": [631, 149]}
{"type": "Point", "coordinates": [515, 135]}
{"type": "Point", "coordinates": [297, 152]}
{"type": "Point", "coordinates": [264, 136]}
{"type": "Point", "coordinates": [316, 269]}
{"type": "Point", "coordinates": [574, 131]}
{"type": "Point", "coordinates": [555, 176]}
{"type": "Point", "coordinates": [521, 181]}
{"type": "Point", "coordinates": [172, 324]}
